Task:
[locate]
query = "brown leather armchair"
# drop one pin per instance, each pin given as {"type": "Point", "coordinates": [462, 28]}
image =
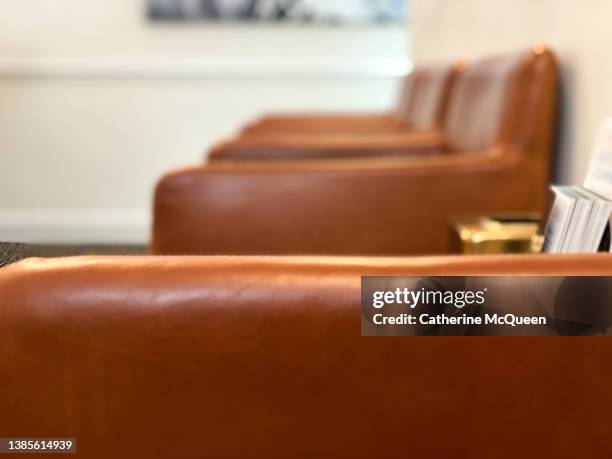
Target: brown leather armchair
{"type": "Point", "coordinates": [361, 207]}
{"type": "Point", "coordinates": [422, 108]}
{"type": "Point", "coordinates": [157, 357]}
{"type": "Point", "coordinates": [488, 100]}
{"type": "Point", "coordinates": [314, 121]}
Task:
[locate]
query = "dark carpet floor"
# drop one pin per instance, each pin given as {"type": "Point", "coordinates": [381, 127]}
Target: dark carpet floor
{"type": "Point", "coordinates": [10, 253]}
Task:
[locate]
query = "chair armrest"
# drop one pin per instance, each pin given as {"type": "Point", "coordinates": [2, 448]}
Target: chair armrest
{"type": "Point", "coordinates": [320, 119]}
{"type": "Point", "coordinates": [125, 353]}
{"type": "Point", "coordinates": [318, 129]}
{"type": "Point", "coordinates": [294, 146]}
{"type": "Point", "coordinates": [366, 207]}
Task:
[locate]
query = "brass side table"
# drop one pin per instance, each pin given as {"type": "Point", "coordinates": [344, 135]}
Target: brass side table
{"type": "Point", "coordinates": [496, 234]}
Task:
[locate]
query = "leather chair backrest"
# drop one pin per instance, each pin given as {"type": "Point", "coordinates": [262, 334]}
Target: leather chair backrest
{"type": "Point", "coordinates": [430, 87]}
{"type": "Point", "coordinates": [404, 99]}
{"type": "Point", "coordinates": [504, 101]}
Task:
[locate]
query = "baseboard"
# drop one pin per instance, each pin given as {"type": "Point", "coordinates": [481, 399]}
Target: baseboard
{"type": "Point", "coordinates": [75, 226]}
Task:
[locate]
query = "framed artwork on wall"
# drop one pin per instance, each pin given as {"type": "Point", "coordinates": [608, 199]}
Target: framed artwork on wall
{"type": "Point", "coordinates": [335, 12]}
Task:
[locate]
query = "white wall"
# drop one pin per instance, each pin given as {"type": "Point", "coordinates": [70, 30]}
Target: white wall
{"type": "Point", "coordinates": [578, 31]}
{"type": "Point", "coordinates": [96, 103]}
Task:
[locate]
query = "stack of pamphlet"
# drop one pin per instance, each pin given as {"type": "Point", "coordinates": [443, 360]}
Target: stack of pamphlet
{"type": "Point", "coordinates": [579, 221]}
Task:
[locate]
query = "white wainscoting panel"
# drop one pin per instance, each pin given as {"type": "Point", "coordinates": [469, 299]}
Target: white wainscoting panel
{"type": "Point", "coordinates": [83, 141]}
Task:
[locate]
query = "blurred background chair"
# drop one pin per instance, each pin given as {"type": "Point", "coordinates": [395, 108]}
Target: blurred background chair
{"type": "Point", "coordinates": [341, 121]}
{"type": "Point", "coordinates": [419, 130]}
{"type": "Point", "coordinates": [472, 113]}
{"type": "Point", "coordinates": [421, 107]}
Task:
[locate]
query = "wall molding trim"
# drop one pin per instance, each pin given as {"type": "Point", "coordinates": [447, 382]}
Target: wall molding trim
{"type": "Point", "coordinates": [75, 226]}
{"type": "Point", "coordinates": [141, 68]}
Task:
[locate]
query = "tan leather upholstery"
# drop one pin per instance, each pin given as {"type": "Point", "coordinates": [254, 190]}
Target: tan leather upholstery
{"type": "Point", "coordinates": [359, 207]}
{"type": "Point", "coordinates": [433, 85]}
{"type": "Point", "coordinates": [262, 358]}
{"type": "Point", "coordinates": [336, 146]}
{"type": "Point", "coordinates": [489, 104]}
{"type": "Point", "coordinates": [506, 100]}
{"type": "Point", "coordinates": [342, 122]}
{"type": "Point", "coordinates": [405, 96]}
